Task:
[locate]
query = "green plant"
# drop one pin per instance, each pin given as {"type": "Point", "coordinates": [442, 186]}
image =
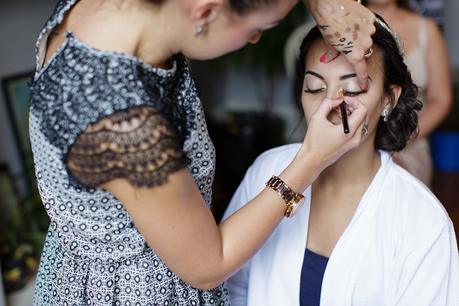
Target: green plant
{"type": "Point", "coordinates": [23, 227]}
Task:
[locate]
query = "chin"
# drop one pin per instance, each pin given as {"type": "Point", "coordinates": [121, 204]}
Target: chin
{"type": "Point", "coordinates": [201, 56]}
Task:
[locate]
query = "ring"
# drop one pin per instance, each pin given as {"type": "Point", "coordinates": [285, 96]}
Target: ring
{"type": "Point", "coordinates": [368, 53]}
{"type": "Point", "coordinates": [365, 129]}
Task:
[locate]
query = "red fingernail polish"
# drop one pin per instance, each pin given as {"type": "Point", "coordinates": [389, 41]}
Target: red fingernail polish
{"type": "Point", "coordinates": [323, 58]}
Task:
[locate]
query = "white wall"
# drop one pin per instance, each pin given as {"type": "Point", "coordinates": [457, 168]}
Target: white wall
{"type": "Point", "coordinates": [20, 23]}
{"type": "Point", "coordinates": [452, 30]}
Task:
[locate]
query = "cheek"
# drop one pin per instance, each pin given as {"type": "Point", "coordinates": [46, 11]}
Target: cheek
{"type": "Point", "coordinates": [374, 106]}
{"type": "Point", "coordinates": [222, 44]}
{"type": "Point", "coordinates": [233, 41]}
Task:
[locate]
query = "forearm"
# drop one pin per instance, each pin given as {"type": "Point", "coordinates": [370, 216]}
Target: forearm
{"type": "Point", "coordinates": [244, 232]}
{"type": "Point", "coordinates": [182, 231]}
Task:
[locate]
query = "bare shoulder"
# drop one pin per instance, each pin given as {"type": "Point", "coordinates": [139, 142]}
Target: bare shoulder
{"type": "Point", "coordinates": [410, 18]}
{"type": "Point", "coordinates": [102, 25]}
{"type": "Point", "coordinates": [433, 28]}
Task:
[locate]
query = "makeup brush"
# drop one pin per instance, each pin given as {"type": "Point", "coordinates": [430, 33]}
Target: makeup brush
{"type": "Point", "coordinates": [342, 108]}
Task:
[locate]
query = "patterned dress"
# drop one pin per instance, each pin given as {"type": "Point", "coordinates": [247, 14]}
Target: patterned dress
{"type": "Point", "coordinates": [94, 254]}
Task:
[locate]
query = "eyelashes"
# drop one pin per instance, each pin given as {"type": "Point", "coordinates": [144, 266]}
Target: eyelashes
{"type": "Point", "coordinates": [346, 93]}
{"type": "Point", "coordinates": [354, 93]}
{"type": "Point", "coordinates": [313, 91]}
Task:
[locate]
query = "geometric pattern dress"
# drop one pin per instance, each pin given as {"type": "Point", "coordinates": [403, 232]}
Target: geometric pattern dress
{"type": "Point", "coordinates": [93, 253]}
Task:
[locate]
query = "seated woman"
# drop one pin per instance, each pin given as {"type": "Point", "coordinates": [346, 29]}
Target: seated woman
{"type": "Point", "coordinates": [370, 233]}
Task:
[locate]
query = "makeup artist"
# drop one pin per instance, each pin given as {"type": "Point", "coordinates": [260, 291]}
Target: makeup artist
{"type": "Point", "coordinates": [123, 159]}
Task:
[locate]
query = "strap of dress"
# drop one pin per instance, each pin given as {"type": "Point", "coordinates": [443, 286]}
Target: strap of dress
{"type": "Point", "coordinates": [423, 35]}
{"type": "Point", "coordinates": [62, 7]}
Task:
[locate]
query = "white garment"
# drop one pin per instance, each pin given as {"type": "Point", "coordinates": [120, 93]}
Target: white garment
{"type": "Point", "coordinates": [416, 60]}
{"type": "Point", "coordinates": [399, 248]}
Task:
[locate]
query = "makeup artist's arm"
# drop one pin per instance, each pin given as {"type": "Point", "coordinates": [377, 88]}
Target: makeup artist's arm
{"type": "Point", "coordinates": [347, 26]}
{"type": "Point", "coordinates": [439, 96]}
{"type": "Point", "coordinates": [176, 223]}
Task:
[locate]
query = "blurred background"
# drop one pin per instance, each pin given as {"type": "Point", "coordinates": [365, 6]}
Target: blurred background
{"type": "Point", "coordinates": [249, 105]}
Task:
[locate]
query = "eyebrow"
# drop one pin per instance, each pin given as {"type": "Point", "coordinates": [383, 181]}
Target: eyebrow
{"type": "Point", "coordinates": [343, 77]}
{"type": "Point", "coordinates": [348, 76]}
{"type": "Point", "coordinates": [314, 74]}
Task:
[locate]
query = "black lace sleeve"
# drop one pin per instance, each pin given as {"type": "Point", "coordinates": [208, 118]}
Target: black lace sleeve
{"type": "Point", "coordinates": [138, 144]}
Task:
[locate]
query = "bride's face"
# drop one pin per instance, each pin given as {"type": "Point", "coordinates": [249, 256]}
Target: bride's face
{"type": "Point", "coordinates": [323, 80]}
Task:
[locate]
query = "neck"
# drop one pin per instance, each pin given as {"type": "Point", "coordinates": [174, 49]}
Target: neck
{"type": "Point", "coordinates": [353, 171]}
{"type": "Point", "coordinates": [384, 10]}
{"type": "Point", "coordinates": [157, 25]}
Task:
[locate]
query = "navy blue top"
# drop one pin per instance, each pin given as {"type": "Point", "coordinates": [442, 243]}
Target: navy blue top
{"type": "Point", "coordinates": [312, 275]}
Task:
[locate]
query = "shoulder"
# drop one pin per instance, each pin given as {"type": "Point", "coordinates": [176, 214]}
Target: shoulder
{"type": "Point", "coordinates": [415, 211]}
{"type": "Point", "coordinates": [410, 19]}
{"type": "Point", "coordinates": [273, 161]}
{"type": "Point", "coordinates": [434, 34]}
{"type": "Point", "coordinates": [103, 26]}
{"type": "Point", "coordinates": [431, 24]}
{"type": "Point", "coordinates": [282, 154]}
{"type": "Point", "coordinates": [416, 196]}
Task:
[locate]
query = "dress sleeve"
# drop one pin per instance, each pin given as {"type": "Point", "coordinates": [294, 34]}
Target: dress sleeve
{"type": "Point", "coordinates": [430, 274]}
{"type": "Point", "coordinates": [138, 144]}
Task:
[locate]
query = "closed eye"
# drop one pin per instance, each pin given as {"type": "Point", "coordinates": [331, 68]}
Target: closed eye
{"type": "Point", "coordinates": [313, 91]}
{"type": "Point", "coordinates": [353, 93]}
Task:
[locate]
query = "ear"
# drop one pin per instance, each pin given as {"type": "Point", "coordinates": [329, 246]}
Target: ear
{"type": "Point", "coordinates": [204, 12]}
{"type": "Point", "coordinates": [396, 92]}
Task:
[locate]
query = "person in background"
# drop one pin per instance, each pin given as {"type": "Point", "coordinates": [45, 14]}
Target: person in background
{"type": "Point", "coordinates": [427, 58]}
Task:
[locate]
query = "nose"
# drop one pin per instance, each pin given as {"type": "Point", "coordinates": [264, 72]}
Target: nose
{"type": "Point", "coordinates": [255, 38]}
{"type": "Point", "coordinates": [335, 92]}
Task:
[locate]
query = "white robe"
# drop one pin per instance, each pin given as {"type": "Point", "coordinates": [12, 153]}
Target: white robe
{"type": "Point", "coordinates": [399, 248]}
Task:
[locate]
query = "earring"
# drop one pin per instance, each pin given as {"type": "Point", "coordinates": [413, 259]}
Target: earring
{"type": "Point", "coordinates": [386, 113]}
{"type": "Point", "coordinates": [365, 129]}
{"type": "Point", "coordinates": [200, 29]}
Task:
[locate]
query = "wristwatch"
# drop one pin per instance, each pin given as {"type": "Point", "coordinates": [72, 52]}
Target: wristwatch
{"type": "Point", "coordinates": [294, 201]}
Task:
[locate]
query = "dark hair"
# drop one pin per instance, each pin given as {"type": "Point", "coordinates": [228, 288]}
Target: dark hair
{"type": "Point", "coordinates": [401, 3]}
{"type": "Point", "coordinates": [245, 6]}
{"type": "Point", "coordinates": [403, 121]}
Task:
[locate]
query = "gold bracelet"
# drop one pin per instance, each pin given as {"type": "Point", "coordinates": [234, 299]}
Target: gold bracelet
{"type": "Point", "coordinates": [293, 200]}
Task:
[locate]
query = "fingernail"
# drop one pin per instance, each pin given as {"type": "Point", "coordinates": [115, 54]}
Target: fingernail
{"type": "Point", "coordinates": [328, 56]}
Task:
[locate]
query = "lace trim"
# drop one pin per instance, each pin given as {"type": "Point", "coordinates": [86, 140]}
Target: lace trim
{"type": "Point", "coordinates": [138, 144]}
